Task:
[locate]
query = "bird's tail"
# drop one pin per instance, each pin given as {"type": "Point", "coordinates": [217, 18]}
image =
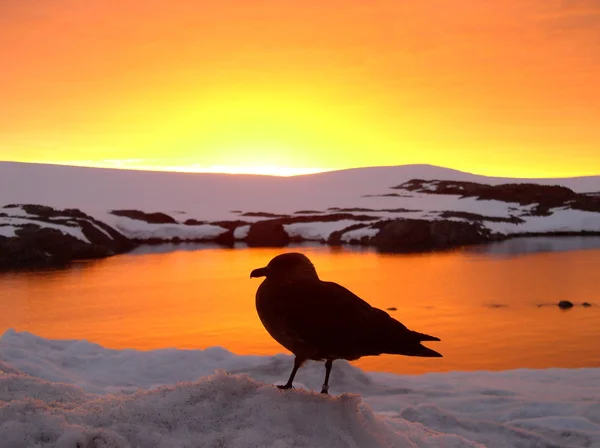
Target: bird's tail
{"type": "Point", "coordinates": [411, 345]}
{"type": "Point", "coordinates": [418, 350]}
{"type": "Point", "coordinates": [425, 337]}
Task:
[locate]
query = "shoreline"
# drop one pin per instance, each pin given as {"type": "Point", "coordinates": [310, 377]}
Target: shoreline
{"type": "Point", "coordinates": [46, 237]}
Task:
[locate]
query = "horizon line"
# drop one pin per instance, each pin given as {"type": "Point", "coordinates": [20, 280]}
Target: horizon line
{"type": "Point", "coordinates": [268, 171]}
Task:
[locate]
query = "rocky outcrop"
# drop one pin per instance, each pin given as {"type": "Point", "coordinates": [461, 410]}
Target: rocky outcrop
{"type": "Point", "coordinates": [45, 238]}
{"type": "Point", "coordinates": [267, 234]}
{"type": "Point", "coordinates": [271, 232]}
{"type": "Point", "coordinates": [411, 235]}
{"type": "Point", "coordinates": [542, 197]}
{"type": "Point", "coordinates": [151, 218]}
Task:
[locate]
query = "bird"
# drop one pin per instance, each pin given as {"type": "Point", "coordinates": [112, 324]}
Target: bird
{"type": "Point", "coordinates": [323, 321]}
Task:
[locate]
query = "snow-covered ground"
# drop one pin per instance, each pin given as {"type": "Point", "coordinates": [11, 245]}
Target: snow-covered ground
{"type": "Point", "coordinates": [219, 197]}
{"type": "Point", "coordinates": [77, 394]}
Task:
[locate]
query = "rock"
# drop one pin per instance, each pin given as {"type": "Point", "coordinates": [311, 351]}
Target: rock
{"type": "Point", "coordinates": [267, 234]}
{"type": "Point", "coordinates": [544, 197]}
{"type": "Point", "coordinates": [262, 215]}
{"type": "Point", "coordinates": [409, 235]}
{"type": "Point", "coordinates": [330, 217]}
{"type": "Point", "coordinates": [151, 218]}
{"type": "Point", "coordinates": [35, 245]}
{"type": "Point", "coordinates": [193, 222]}
{"type": "Point", "coordinates": [565, 304]}
{"type": "Point", "coordinates": [586, 304]}
{"type": "Point", "coordinates": [229, 225]}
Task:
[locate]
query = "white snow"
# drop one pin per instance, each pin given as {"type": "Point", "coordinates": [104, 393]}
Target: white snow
{"type": "Point", "coordinates": [133, 228]}
{"type": "Point", "coordinates": [558, 221]}
{"type": "Point", "coordinates": [8, 231]}
{"type": "Point", "coordinates": [359, 233]}
{"type": "Point", "coordinates": [60, 393]}
{"type": "Point", "coordinates": [67, 230]}
{"type": "Point", "coordinates": [16, 211]}
{"type": "Point", "coordinates": [213, 196]}
{"type": "Point", "coordinates": [317, 231]}
{"type": "Point", "coordinates": [241, 232]}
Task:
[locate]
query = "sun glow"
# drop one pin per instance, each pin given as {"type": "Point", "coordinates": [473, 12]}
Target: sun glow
{"type": "Point", "coordinates": [509, 89]}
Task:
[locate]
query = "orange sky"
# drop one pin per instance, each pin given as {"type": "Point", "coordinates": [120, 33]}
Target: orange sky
{"type": "Point", "coordinates": [500, 88]}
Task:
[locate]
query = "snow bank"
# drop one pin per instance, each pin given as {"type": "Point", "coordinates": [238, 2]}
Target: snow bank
{"type": "Point", "coordinates": [219, 410]}
{"type": "Point", "coordinates": [317, 231]}
{"type": "Point", "coordinates": [141, 230]}
{"type": "Point", "coordinates": [61, 393]}
{"type": "Point", "coordinates": [241, 232]}
{"type": "Point", "coordinates": [558, 221]}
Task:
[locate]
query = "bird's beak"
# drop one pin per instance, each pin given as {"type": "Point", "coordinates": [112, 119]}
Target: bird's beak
{"type": "Point", "coordinates": [260, 272]}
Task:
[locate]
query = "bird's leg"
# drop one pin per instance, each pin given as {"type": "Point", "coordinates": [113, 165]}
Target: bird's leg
{"type": "Point", "coordinates": [328, 365]}
{"type": "Point", "coordinates": [297, 363]}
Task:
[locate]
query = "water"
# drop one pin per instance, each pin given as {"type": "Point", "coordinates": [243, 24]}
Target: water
{"type": "Point", "coordinates": [493, 310]}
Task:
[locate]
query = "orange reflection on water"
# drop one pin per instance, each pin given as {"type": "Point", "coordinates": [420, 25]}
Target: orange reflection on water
{"type": "Point", "coordinates": [484, 309]}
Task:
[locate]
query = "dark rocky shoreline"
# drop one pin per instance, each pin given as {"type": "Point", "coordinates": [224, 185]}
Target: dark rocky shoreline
{"type": "Point", "coordinates": [40, 242]}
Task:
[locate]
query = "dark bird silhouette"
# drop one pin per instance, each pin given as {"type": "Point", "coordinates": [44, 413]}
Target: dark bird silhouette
{"type": "Point", "coordinates": [324, 321]}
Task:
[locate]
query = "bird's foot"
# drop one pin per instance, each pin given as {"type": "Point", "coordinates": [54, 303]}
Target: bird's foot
{"type": "Point", "coordinates": [325, 389]}
{"type": "Point", "coordinates": [285, 386]}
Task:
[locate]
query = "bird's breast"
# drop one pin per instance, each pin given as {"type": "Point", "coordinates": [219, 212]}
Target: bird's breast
{"type": "Point", "coordinates": [269, 312]}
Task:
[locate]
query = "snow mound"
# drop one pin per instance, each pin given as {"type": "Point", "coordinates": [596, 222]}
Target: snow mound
{"type": "Point", "coordinates": [216, 411]}
{"type": "Point", "coordinates": [79, 394]}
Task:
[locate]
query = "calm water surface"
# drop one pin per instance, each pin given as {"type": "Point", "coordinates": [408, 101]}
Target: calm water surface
{"type": "Point", "coordinates": [491, 310]}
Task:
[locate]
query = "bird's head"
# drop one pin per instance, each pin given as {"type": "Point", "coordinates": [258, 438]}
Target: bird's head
{"type": "Point", "coordinates": [286, 268]}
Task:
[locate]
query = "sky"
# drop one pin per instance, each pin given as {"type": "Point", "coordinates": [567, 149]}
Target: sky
{"type": "Point", "coordinates": [505, 88]}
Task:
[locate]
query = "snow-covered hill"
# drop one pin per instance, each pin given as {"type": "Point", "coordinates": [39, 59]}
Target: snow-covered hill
{"type": "Point", "coordinates": [214, 196]}
{"type": "Point", "coordinates": [69, 394]}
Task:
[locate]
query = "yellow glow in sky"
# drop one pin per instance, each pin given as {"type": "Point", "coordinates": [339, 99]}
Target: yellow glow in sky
{"type": "Point", "coordinates": [498, 88]}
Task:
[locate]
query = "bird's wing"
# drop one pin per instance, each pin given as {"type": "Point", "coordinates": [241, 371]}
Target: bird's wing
{"type": "Point", "coordinates": [335, 320]}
